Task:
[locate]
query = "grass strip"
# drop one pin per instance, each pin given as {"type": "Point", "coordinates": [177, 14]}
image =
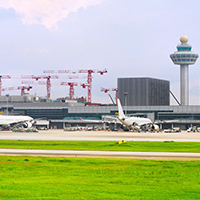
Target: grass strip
{"type": "Point", "coordinates": [103, 145]}
{"type": "Point", "coordinates": [80, 178]}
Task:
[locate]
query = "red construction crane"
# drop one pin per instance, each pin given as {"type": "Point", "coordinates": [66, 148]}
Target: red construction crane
{"type": "Point", "coordinates": [48, 82]}
{"type": "Point", "coordinates": [22, 88]}
{"type": "Point", "coordinates": [3, 77]}
{"type": "Point", "coordinates": [89, 80]}
{"type": "Point", "coordinates": [13, 77]}
{"type": "Point", "coordinates": [89, 77]}
{"type": "Point", "coordinates": [71, 87]}
{"type": "Point", "coordinates": [111, 89]}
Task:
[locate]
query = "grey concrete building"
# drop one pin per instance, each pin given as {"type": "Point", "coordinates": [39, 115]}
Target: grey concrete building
{"type": "Point", "coordinates": [143, 91]}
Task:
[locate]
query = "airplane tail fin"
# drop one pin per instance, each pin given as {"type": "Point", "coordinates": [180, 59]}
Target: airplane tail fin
{"type": "Point", "coordinates": [120, 110]}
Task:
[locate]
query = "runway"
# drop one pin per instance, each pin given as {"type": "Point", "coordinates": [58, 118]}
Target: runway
{"type": "Point", "coordinates": [103, 154]}
{"type": "Point", "coordinates": [60, 135]}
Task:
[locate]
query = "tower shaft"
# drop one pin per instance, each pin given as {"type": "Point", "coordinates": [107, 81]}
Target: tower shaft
{"type": "Point", "coordinates": [184, 85]}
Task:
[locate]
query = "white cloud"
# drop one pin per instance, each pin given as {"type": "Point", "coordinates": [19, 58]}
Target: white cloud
{"type": "Point", "coordinates": [46, 12]}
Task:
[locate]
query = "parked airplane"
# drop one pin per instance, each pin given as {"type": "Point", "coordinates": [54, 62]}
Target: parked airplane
{"type": "Point", "coordinates": [134, 122]}
{"type": "Point", "coordinates": [12, 120]}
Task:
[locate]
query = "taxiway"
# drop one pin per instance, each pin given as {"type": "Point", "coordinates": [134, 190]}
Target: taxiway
{"type": "Point", "coordinates": [100, 136]}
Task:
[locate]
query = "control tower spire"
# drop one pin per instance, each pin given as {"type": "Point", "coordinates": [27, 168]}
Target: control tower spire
{"type": "Point", "coordinates": [184, 57]}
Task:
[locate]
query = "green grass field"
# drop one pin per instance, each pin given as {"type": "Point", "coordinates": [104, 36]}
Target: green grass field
{"type": "Point", "coordinates": [95, 178]}
{"type": "Point", "coordinates": [80, 178]}
{"type": "Point", "coordinates": [103, 145]}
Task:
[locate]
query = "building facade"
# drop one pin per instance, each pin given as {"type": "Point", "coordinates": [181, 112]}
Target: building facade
{"type": "Point", "coordinates": [62, 115]}
{"type": "Point", "coordinates": [143, 91]}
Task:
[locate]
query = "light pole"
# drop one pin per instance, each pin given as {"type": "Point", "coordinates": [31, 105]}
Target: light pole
{"type": "Point", "coordinates": [125, 101]}
{"type": "Point", "coordinates": [7, 95]}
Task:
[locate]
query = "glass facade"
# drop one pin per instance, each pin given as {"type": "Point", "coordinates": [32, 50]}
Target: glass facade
{"type": "Point", "coordinates": [179, 116]}
{"type": "Point", "coordinates": [60, 113]}
{"type": "Point", "coordinates": [184, 48]}
{"type": "Point", "coordinates": [44, 113]}
{"type": "Point", "coordinates": [184, 58]}
{"type": "Point", "coordinates": [159, 112]}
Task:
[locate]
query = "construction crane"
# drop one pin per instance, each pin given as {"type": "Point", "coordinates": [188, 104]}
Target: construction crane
{"type": "Point", "coordinates": [111, 89]}
{"type": "Point", "coordinates": [89, 81]}
{"type": "Point", "coordinates": [3, 77]}
{"type": "Point", "coordinates": [12, 77]}
{"type": "Point", "coordinates": [22, 88]}
{"type": "Point", "coordinates": [89, 77]}
{"type": "Point", "coordinates": [71, 87]}
{"type": "Point", "coordinates": [48, 82]}
{"type": "Point", "coordinates": [48, 79]}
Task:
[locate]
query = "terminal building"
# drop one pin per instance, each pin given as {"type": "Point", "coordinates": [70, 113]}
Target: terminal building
{"type": "Point", "coordinates": [65, 114]}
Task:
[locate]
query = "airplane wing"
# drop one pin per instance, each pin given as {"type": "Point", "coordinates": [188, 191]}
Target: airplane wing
{"type": "Point", "coordinates": [90, 120]}
{"type": "Point", "coordinates": [167, 121]}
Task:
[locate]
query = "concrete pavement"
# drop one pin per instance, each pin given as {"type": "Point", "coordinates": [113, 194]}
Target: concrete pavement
{"type": "Point", "coordinates": [100, 136]}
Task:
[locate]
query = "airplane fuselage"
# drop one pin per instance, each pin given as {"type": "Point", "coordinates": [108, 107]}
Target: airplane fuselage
{"type": "Point", "coordinates": [14, 119]}
{"type": "Point", "coordinates": [134, 121]}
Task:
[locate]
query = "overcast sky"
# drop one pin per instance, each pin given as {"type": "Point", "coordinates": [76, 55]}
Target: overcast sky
{"type": "Point", "coordinates": [130, 38]}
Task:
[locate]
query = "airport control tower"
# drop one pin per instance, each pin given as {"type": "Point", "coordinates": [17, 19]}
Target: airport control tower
{"type": "Point", "coordinates": [184, 57]}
